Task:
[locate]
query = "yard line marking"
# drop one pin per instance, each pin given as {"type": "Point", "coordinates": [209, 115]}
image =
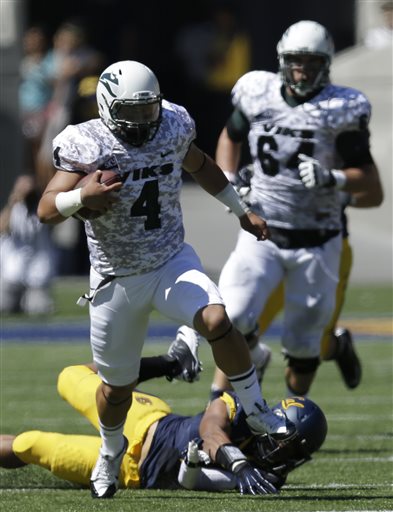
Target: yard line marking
{"type": "Point", "coordinates": [334, 485]}
{"type": "Point", "coordinates": [367, 437]}
{"type": "Point", "coordinates": [348, 400]}
{"type": "Point", "coordinates": [356, 417]}
{"type": "Point", "coordinates": [354, 459]}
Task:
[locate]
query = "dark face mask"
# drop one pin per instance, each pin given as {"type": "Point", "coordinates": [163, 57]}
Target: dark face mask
{"type": "Point", "coordinates": [137, 123]}
{"type": "Point", "coordinates": [137, 136]}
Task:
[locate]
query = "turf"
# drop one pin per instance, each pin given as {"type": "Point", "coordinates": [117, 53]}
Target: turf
{"type": "Point", "coordinates": [352, 471]}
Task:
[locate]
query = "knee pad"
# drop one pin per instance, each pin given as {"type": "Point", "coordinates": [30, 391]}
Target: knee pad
{"type": "Point", "coordinates": [302, 366]}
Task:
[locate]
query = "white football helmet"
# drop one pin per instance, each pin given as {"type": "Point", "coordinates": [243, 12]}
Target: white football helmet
{"type": "Point", "coordinates": [129, 101]}
{"type": "Point", "coordinates": [305, 38]}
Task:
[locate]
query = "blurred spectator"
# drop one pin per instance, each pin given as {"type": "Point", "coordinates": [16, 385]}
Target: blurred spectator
{"type": "Point", "coordinates": [35, 90]}
{"type": "Point", "coordinates": [85, 104]}
{"type": "Point", "coordinates": [74, 65]}
{"type": "Point", "coordinates": [69, 237]}
{"type": "Point", "coordinates": [382, 36]}
{"type": "Point", "coordinates": [213, 55]}
{"type": "Point", "coordinates": [73, 59]}
{"type": "Point", "coordinates": [26, 257]}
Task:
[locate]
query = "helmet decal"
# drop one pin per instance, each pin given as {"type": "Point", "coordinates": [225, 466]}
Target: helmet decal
{"type": "Point", "coordinates": [106, 79]}
{"type": "Point", "coordinates": [292, 402]}
{"type": "Point", "coordinates": [130, 101]}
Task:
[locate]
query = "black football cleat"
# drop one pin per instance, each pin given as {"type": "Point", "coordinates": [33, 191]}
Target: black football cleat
{"type": "Point", "coordinates": [347, 359]}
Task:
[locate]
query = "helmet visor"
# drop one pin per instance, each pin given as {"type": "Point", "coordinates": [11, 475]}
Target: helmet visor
{"type": "Point", "coordinates": [270, 453]}
{"type": "Point", "coordinates": [304, 72]}
{"type": "Point", "coordinates": [307, 64]}
{"type": "Point", "coordinates": [136, 112]}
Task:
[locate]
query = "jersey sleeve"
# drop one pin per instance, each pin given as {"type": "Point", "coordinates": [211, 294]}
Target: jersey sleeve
{"type": "Point", "coordinates": [352, 140]}
{"type": "Point", "coordinates": [240, 88]}
{"type": "Point", "coordinates": [349, 110]}
{"type": "Point", "coordinates": [74, 151]}
{"type": "Point", "coordinates": [249, 88]}
{"type": "Point", "coordinates": [354, 148]}
{"type": "Point", "coordinates": [181, 125]}
{"type": "Point", "coordinates": [238, 126]}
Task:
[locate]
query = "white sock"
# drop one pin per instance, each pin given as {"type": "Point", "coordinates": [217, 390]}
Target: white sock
{"type": "Point", "coordinates": [112, 439]}
{"type": "Point", "coordinates": [247, 388]}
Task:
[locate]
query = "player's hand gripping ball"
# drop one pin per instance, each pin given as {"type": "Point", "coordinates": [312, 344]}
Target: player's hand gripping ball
{"type": "Point", "coordinates": [108, 177]}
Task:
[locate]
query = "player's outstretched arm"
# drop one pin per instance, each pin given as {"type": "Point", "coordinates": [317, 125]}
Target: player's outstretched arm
{"type": "Point", "coordinates": [211, 178]}
{"type": "Point", "coordinates": [215, 432]}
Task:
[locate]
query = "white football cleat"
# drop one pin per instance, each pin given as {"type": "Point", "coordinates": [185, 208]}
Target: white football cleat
{"type": "Point", "coordinates": [104, 480]}
{"type": "Point", "coordinates": [263, 420]}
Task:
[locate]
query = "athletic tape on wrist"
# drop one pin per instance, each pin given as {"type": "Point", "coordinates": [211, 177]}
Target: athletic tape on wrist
{"type": "Point", "coordinates": [228, 454]}
{"type": "Point", "coordinates": [67, 203]}
{"type": "Point", "coordinates": [231, 199]}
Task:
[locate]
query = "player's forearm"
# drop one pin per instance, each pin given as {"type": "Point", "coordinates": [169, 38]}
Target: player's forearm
{"type": "Point", "coordinates": [47, 211]}
{"type": "Point", "coordinates": [369, 199]}
{"type": "Point", "coordinates": [201, 478]}
{"type": "Point", "coordinates": [364, 183]}
{"type": "Point", "coordinates": [214, 429]}
{"type": "Point", "coordinates": [60, 199]}
{"type": "Point", "coordinates": [211, 178]}
{"type": "Point", "coordinates": [204, 170]}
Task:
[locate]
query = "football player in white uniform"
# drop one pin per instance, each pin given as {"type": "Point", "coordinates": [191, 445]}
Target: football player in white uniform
{"type": "Point", "coordinates": [139, 261]}
{"type": "Point", "coordinates": [309, 141]}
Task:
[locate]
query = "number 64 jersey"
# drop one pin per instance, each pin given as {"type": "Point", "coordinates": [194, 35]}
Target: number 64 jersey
{"type": "Point", "coordinates": [144, 229]}
{"type": "Point", "coordinates": [279, 133]}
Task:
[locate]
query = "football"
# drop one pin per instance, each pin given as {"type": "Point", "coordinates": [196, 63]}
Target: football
{"type": "Point", "coordinates": [108, 178]}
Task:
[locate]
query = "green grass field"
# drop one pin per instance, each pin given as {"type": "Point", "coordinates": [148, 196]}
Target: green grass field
{"type": "Point", "coordinates": [352, 471]}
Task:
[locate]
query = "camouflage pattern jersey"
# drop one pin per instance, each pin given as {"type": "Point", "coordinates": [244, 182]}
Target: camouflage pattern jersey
{"type": "Point", "coordinates": [145, 228]}
{"type": "Point", "coordinates": [279, 133]}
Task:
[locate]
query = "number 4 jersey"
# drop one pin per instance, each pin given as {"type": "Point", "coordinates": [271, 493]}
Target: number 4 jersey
{"type": "Point", "coordinates": [144, 228]}
{"type": "Point", "coordinates": [279, 133]}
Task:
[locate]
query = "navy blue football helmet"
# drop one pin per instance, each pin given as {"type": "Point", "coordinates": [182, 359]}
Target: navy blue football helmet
{"type": "Point", "coordinates": [281, 457]}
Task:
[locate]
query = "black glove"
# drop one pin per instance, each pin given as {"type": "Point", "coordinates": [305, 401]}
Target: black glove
{"type": "Point", "coordinates": [251, 481]}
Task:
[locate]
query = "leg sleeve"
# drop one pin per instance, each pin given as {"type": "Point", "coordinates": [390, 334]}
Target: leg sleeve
{"type": "Point", "coordinates": [205, 479]}
{"type": "Point", "coordinates": [77, 385]}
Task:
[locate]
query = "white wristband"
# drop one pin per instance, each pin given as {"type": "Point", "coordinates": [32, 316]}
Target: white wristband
{"type": "Point", "coordinates": [67, 203]}
{"type": "Point", "coordinates": [231, 199]}
{"type": "Point", "coordinates": [340, 178]}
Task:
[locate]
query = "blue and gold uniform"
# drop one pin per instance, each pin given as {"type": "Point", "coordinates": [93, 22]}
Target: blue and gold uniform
{"type": "Point", "coordinates": [72, 457]}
